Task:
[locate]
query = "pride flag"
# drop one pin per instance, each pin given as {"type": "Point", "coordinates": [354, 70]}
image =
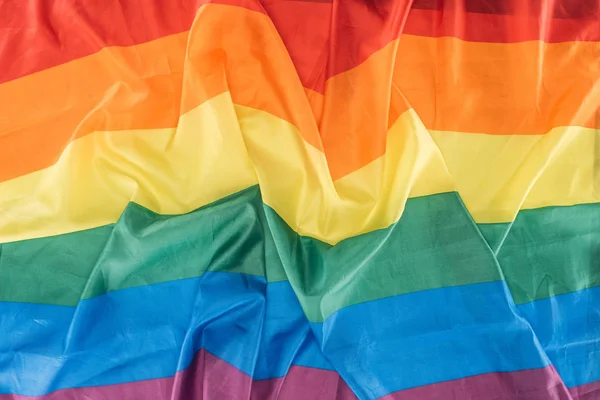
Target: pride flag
{"type": "Point", "coordinates": [300, 199]}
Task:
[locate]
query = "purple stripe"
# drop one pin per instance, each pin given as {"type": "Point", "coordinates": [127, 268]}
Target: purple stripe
{"type": "Point", "coordinates": [589, 391]}
{"type": "Point", "coordinates": [531, 384]}
{"type": "Point", "coordinates": [303, 383]}
{"type": "Point", "coordinates": [210, 378]}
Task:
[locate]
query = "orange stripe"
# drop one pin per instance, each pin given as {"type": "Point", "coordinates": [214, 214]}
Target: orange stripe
{"type": "Point", "coordinates": [247, 57]}
{"type": "Point", "coordinates": [358, 108]}
{"type": "Point", "coordinates": [116, 88]}
{"type": "Point", "coordinates": [517, 88]}
{"type": "Point", "coordinates": [140, 87]}
{"type": "Point", "coordinates": [453, 85]}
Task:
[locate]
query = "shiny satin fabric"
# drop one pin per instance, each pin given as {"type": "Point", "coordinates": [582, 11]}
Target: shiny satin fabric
{"type": "Point", "coordinates": [244, 199]}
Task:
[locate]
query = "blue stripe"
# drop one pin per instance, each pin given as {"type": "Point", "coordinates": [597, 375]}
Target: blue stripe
{"type": "Point", "coordinates": [153, 331]}
{"type": "Point", "coordinates": [431, 336]}
{"type": "Point", "coordinates": [379, 347]}
{"type": "Point", "coordinates": [286, 335]}
{"type": "Point", "coordinates": [568, 327]}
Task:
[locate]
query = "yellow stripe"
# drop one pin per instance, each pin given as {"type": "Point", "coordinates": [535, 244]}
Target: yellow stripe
{"type": "Point", "coordinates": [295, 181]}
{"type": "Point", "coordinates": [219, 148]}
{"type": "Point", "coordinates": [170, 171]}
{"type": "Point", "coordinates": [498, 175]}
{"type": "Point", "coordinates": [215, 151]}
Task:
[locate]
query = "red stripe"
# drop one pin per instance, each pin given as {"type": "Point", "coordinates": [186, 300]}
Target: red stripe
{"type": "Point", "coordinates": [533, 384]}
{"type": "Point", "coordinates": [574, 9]}
{"type": "Point", "coordinates": [496, 28]}
{"type": "Point", "coordinates": [210, 378]}
{"type": "Point", "coordinates": [323, 38]}
{"type": "Point", "coordinates": [304, 28]}
{"type": "Point", "coordinates": [326, 39]}
{"type": "Point", "coordinates": [39, 34]}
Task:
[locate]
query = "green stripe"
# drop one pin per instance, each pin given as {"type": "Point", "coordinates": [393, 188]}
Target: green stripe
{"type": "Point", "coordinates": [549, 251]}
{"type": "Point", "coordinates": [546, 252]}
{"type": "Point", "coordinates": [225, 236]}
{"type": "Point", "coordinates": [435, 244]}
{"type": "Point", "coordinates": [50, 270]}
{"type": "Point", "coordinates": [494, 234]}
{"type": "Point", "coordinates": [141, 248]}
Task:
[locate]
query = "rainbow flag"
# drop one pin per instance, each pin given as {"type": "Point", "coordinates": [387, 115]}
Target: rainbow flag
{"type": "Point", "coordinates": [300, 199]}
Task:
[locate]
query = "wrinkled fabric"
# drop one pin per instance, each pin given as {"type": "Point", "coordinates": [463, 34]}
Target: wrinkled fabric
{"type": "Point", "coordinates": [300, 199]}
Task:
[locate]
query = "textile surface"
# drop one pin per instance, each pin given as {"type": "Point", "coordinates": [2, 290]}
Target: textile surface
{"type": "Point", "coordinates": [296, 199]}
